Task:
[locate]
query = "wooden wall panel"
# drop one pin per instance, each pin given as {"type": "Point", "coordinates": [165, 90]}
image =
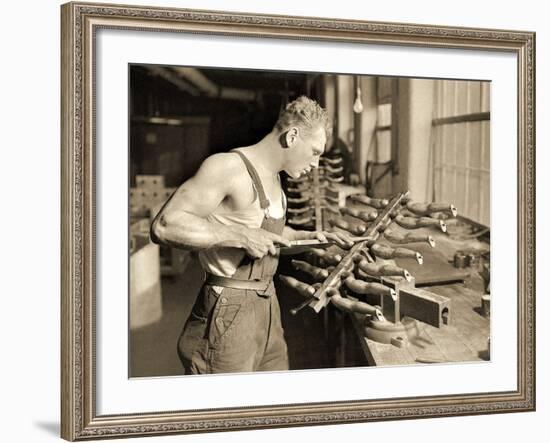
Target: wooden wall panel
{"type": "Point", "coordinates": [462, 149]}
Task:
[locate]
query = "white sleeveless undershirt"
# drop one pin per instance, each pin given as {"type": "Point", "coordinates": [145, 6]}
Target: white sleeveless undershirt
{"type": "Point", "coordinates": [224, 261]}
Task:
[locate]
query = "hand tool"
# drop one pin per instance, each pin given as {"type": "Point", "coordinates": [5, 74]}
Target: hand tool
{"type": "Point", "coordinates": [413, 222]}
{"type": "Point", "coordinates": [430, 208]}
{"type": "Point", "coordinates": [409, 237]}
{"type": "Point", "coordinates": [299, 246]}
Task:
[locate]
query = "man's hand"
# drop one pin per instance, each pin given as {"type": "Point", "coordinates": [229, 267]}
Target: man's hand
{"type": "Point", "coordinates": [259, 242]}
{"type": "Point", "coordinates": [340, 238]}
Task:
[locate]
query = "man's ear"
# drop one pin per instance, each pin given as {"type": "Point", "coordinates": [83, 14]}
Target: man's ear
{"type": "Point", "coordinates": [291, 136]}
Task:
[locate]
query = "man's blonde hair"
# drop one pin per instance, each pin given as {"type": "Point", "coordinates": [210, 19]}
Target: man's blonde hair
{"type": "Point", "coordinates": [304, 113]}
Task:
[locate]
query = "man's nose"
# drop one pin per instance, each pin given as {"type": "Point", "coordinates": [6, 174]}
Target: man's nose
{"type": "Point", "coordinates": [315, 162]}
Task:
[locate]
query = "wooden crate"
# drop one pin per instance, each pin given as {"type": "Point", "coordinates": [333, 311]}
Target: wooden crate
{"type": "Point", "coordinates": [151, 182]}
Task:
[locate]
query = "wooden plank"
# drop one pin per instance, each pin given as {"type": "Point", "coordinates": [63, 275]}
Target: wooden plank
{"type": "Point", "coordinates": [449, 98]}
{"type": "Point", "coordinates": [473, 328]}
{"type": "Point", "coordinates": [390, 355]}
{"type": "Point", "coordinates": [461, 97]}
{"type": "Point", "coordinates": [474, 161]}
{"type": "Point", "coordinates": [485, 96]}
{"type": "Point", "coordinates": [449, 157]}
{"type": "Point", "coordinates": [474, 97]}
{"type": "Point", "coordinates": [426, 348]}
{"type": "Point", "coordinates": [485, 202]}
{"type": "Point", "coordinates": [451, 345]}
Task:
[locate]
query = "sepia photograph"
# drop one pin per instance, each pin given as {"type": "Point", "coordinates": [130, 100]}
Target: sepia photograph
{"type": "Point", "coordinates": [284, 220]}
{"type": "Point", "coordinates": [279, 221]}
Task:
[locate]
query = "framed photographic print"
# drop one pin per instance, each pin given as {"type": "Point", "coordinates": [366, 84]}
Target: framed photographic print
{"type": "Point", "coordinates": [279, 221]}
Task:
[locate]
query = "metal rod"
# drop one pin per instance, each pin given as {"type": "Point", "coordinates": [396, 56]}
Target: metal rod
{"type": "Point", "coordinates": [301, 306]}
{"type": "Point", "coordinates": [477, 117]}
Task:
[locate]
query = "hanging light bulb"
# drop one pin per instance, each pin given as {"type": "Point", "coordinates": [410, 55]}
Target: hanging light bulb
{"type": "Point", "coordinates": [357, 104]}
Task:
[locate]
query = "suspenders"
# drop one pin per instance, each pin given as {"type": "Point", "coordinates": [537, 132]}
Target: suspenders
{"type": "Point", "coordinates": [254, 274]}
{"type": "Point", "coordinates": [264, 201]}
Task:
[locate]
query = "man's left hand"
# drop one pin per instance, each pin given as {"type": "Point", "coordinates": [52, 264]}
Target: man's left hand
{"type": "Point", "coordinates": [339, 238]}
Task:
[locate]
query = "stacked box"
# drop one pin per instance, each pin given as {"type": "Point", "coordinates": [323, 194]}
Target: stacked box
{"type": "Point", "coordinates": [149, 193]}
{"type": "Point", "coordinates": [150, 182]}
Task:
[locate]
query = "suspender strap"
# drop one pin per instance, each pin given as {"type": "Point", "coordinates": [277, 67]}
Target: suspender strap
{"type": "Point", "coordinates": [264, 202]}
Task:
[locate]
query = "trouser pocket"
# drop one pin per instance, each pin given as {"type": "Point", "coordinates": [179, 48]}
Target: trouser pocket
{"type": "Point", "coordinates": [193, 344]}
{"type": "Point", "coordinates": [233, 334]}
{"type": "Point", "coordinates": [229, 312]}
{"type": "Point", "coordinates": [223, 320]}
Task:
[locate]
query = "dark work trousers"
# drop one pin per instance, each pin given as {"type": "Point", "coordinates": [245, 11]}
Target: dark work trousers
{"type": "Point", "coordinates": [238, 330]}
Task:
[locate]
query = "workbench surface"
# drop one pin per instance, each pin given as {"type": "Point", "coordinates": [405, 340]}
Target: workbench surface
{"type": "Point", "coordinates": [464, 339]}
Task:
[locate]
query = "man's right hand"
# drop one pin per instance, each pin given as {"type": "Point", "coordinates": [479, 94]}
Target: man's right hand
{"type": "Point", "coordinates": [258, 242]}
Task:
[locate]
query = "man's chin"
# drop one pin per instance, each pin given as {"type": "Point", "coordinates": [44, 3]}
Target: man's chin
{"type": "Point", "coordinates": [294, 174]}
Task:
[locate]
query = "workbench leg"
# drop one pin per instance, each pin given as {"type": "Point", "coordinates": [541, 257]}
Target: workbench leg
{"type": "Point", "coordinates": [340, 329]}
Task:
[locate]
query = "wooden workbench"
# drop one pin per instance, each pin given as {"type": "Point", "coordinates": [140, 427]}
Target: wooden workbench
{"type": "Point", "coordinates": [464, 339]}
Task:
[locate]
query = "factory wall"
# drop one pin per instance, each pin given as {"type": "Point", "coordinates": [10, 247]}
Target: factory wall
{"type": "Point", "coordinates": [368, 124]}
{"type": "Point", "coordinates": [435, 160]}
{"type": "Point", "coordinates": [462, 150]}
{"type": "Point", "coordinates": [414, 126]}
{"type": "Point", "coordinates": [345, 116]}
{"type": "Point", "coordinates": [344, 111]}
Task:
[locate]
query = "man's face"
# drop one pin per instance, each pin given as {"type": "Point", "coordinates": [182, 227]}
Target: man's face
{"type": "Point", "coordinates": [304, 150]}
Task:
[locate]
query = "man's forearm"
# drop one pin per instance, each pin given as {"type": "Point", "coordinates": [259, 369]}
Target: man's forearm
{"type": "Point", "coordinates": [188, 231]}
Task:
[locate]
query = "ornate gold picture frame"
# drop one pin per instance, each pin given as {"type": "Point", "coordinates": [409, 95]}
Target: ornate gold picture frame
{"type": "Point", "coordinates": [80, 23]}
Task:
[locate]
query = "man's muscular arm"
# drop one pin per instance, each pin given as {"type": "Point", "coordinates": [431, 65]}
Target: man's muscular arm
{"type": "Point", "coordinates": [181, 222]}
